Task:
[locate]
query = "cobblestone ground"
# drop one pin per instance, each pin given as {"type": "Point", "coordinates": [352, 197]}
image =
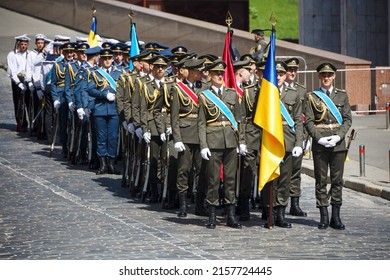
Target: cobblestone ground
{"type": "Point", "coordinates": [52, 210]}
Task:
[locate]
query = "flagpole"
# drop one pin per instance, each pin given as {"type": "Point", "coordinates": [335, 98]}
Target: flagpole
{"type": "Point", "coordinates": [272, 186]}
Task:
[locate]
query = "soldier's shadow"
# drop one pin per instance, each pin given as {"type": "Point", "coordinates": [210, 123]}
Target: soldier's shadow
{"type": "Point", "coordinates": [112, 183]}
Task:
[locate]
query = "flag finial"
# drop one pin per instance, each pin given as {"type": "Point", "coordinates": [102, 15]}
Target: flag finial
{"type": "Point", "coordinates": [93, 10]}
{"type": "Point", "coordinates": [229, 19]}
{"type": "Point", "coordinates": [131, 14]}
{"type": "Point", "coordinates": [273, 21]}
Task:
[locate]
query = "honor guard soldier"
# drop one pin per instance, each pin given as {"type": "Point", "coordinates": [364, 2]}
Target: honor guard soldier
{"type": "Point", "coordinates": [260, 50]}
{"type": "Point", "coordinates": [17, 67]}
{"type": "Point", "coordinates": [295, 189]}
{"type": "Point", "coordinates": [209, 59]}
{"type": "Point", "coordinates": [219, 114]}
{"type": "Point", "coordinates": [103, 89]}
{"type": "Point", "coordinates": [250, 157]}
{"type": "Point", "coordinates": [328, 119]}
{"type": "Point", "coordinates": [58, 93]}
{"type": "Point", "coordinates": [252, 69]}
{"type": "Point", "coordinates": [154, 90]}
{"type": "Point", "coordinates": [117, 51]}
{"type": "Point", "coordinates": [179, 50]}
{"type": "Point", "coordinates": [184, 118]}
{"type": "Point", "coordinates": [291, 109]}
{"type": "Point", "coordinates": [33, 76]}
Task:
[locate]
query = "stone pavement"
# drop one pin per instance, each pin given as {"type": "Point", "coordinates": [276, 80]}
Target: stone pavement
{"type": "Point", "coordinates": [52, 210]}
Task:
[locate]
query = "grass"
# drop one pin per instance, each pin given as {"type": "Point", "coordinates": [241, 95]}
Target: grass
{"type": "Point", "coordinates": [286, 12]}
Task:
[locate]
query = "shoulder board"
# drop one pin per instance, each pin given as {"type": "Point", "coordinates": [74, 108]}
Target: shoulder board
{"type": "Point", "coordinates": [290, 88]}
{"type": "Point", "coordinates": [299, 85]}
{"type": "Point", "coordinates": [250, 86]}
{"type": "Point", "coordinates": [147, 81]}
{"type": "Point", "coordinates": [340, 90]}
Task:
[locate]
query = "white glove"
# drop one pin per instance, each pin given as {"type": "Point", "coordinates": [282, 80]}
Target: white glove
{"type": "Point", "coordinates": [110, 96]}
{"type": "Point", "coordinates": [40, 94]}
{"type": "Point", "coordinates": [169, 131]}
{"type": "Point", "coordinates": [71, 106]}
{"type": "Point", "coordinates": [22, 87]}
{"type": "Point", "coordinates": [87, 112]}
{"type": "Point", "coordinates": [307, 145]}
{"type": "Point", "coordinates": [56, 104]}
{"type": "Point", "coordinates": [130, 128]}
{"type": "Point", "coordinates": [335, 139]}
{"type": "Point", "coordinates": [80, 113]}
{"type": "Point", "coordinates": [243, 149]}
{"type": "Point", "coordinates": [147, 137]}
{"type": "Point", "coordinates": [139, 133]}
{"type": "Point", "coordinates": [323, 141]}
{"type": "Point", "coordinates": [31, 86]}
{"type": "Point", "coordinates": [163, 137]}
{"type": "Point", "coordinates": [179, 146]}
{"type": "Point", "coordinates": [205, 153]}
{"type": "Point", "coordinates": [297, 151]}
{"type": "Point", "coordinates": [124, 123]}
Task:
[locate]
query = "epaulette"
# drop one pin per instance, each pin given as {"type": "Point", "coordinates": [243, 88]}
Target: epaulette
{"type": "Point", "coordinates": [340, 90]}
{"type": "Point", "coordinates": [250, 86]}
{"type": "Point", "coordinates": [291, 88]}
{"type": "Point", "coordinates": [299, 85]}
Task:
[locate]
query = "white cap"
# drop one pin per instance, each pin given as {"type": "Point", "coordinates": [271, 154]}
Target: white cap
{"type": "Point", "coordinates": [61, 38]}
{"type": "Point", "coordinates": [81, 39]}
{"type": "Point", "coordinates": [22, 38]}
{"type": "Point", "coordinates": [112, 41]}
{"type": "Point", "coordinates": [40, 37]}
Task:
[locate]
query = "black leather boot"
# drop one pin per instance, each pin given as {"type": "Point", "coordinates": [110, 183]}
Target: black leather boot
{"type": "Point", "coordinates": [111, 167]}
{"type": "Point", "coordinates": [154, 193]}
{"type": "Point", "coordinates": [102, 166]}
{"type": "Point", "coordinates": [324, 220]}
{"type": "Point", "coordinates": [64, 150]}
{"type": "Point", "coordinates": [335, 221]}
{"type": "Point", "coordinates": [280, 222]}
{"type": "Point", "coordinates": [230, 219]}
{"type": "Point", "coordinates": [264, 212]}
{"type": "Point", "coordinates": [295, 210]}
{"type": "Point", "coordinates": [183, 205]}
{"type": "Point", "coordinates": [200, 209]}
{"type": "Point", "coordinates": [245, 214]}
{"type": "Point", "coordinates": [212, 217]}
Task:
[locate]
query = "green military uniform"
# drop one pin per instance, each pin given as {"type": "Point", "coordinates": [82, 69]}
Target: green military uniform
{"type": "Point", "coordinates": [253, 142]}
{"type": "Point", "coordinates": [217, 134]}
{"type": "Point", "coordinates": [323, 126]}
{"type": "Point", "coordinates": [184, 118]}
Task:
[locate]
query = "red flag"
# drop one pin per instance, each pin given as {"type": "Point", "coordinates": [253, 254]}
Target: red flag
{"type": "Point", "coordinates": [229, 77]}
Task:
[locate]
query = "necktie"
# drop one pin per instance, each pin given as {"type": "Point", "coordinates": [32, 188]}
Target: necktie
{"type": "Point", "coordinates": [108, 71]}
{"type": "Point", "coordinates": [328, 93]}
{"type": "Point", "coordinates": [219, 92]}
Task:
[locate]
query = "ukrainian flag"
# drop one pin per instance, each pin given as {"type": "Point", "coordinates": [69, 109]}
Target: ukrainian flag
{"type": "Point", "coordinates": [92, 37]}
{"type": "Point", "coordinates": [269, 118]}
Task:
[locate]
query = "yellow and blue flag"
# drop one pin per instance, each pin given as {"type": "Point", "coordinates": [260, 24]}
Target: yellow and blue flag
{"type": "Point", "coordinates": [268, 116]}
{"type": "Point", "coordinates": [92, 37]}
{"type": "Point", "coordinates": [134, 48]}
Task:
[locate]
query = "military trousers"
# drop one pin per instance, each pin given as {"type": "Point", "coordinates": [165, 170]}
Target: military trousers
{"type": "Point", "coordinates": [295, 188]}
{"type": "Point", "coordinates": [186, 159]}
{"type": "Point", "coordinates": [227, 157]}
{"type": "Point", "coordinates": [249, 171]}
{"type": "Point", "coordinates": [335, 162]}
{"type": "Point", "coordinates": [107, 131]}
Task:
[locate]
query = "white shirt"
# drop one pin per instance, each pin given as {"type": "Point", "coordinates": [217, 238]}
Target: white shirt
{"type": "Point", "coordinates": [17, 64]}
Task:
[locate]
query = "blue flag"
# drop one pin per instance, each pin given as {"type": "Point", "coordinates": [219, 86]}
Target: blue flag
{"type": "Point", "coordinates": [134, 48]}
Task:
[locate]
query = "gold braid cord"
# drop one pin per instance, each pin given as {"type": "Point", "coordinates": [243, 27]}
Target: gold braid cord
{"type": "Point", "coordinates": [319, 106]}
{"type": "Point", "coordinates": [212, 110]}
{"type": "Point", "coordinates": [59, 73]}
{"type": "Point", "coordinates": [166, 96]}
{"type": "Point", "coordinates": [72, 74]}
{"type": "Point", "coordinates": [185, 101]}
{"type": "Point", "coordinates": [248, 101]}
{"type": "Point", "coordinates": [150, 99]}
{"type": "Point", "coordinates": [101, 83]}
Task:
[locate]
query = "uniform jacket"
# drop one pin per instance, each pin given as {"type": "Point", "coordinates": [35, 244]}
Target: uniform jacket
{"type": "Point", "coordinates": [183, 114]}
{"type": "Point", "coordinates": [58, 80]}
{"type": "Point", "coordinates": [252, 131]}
{"type": "Point", "coordinates": [136, 99]}
{"type": "Point", "coordinates": [83, 79]}
{"type": "Point", "coordinates": [219, 137]}
{"type": "Point", "coordinates": [98, 88]}
{"type": "Point", "coordinates": [124, 92]}
{"type": "Point", "coordinates": [316, 113]}
{"type": "Point", "coordinates": [291, 101]}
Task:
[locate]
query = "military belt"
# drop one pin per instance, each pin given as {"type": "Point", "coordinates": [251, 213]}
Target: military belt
{"type": "Point", "coordinates": [330, 126]}
{"type": "Point", "coordinates": [222, 123]}
{"type": "Point", "coordinates": [284, 123]}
